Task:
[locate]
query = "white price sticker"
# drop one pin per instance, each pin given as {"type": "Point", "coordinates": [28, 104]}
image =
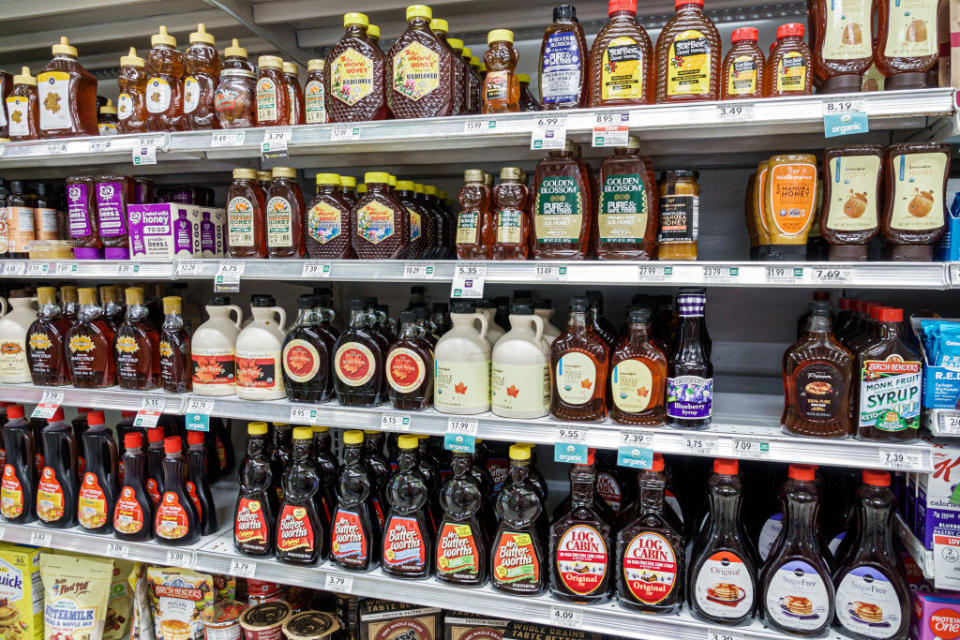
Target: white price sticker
{"type": "Point", "coordinates": [567, 618]}
{"type": "Point", "coordinates": [188, 269]}
{"type": "Point", "coordinates": [479, 126]}
{"type": "Point", "coordinates": [783, 275]}
{"type": "Point", "coordinates": [315, 270]}
{"type": "Point", "coordinates": [116, 549]}
{"type": "Point", "coordinates": [654, 273]}
{"type": "Point", "coordinates": [830, 275]}
{"type": "Point", "coordinates": [735, 112]}
{"type": "Point", "coordinates": [393, 422]}
{"type": "Point", "coordinates": [275, 141]}
{"type": "Point", "coordinates": [242, 568]}
{"type": "Point", "coordinates": [234, 138]}
{"type": "Point", "coordinates": [949, 423]}
{"type": "Point", "coordinates": [228, 277]}
{"type": "Point", "coordinates": [56, 148]}
{"type": "Point", "coordinates": [700, 445]}
{"type": "Point", "coordinates": [720, 274]}
{"type": "Point", "coordinates": [611, 130]}
{"type": "Point", "coordinates": [900, 460]}
{"type": "Point", "coordinates": [14, 268]}
{"type": "Point", "coordinates": [468, 281]}
{"type": "Point", "coordinates": [636, 439]}
{"type": "Point", "coordinates": [831, 107]}
{"type": "Point", "coordinates": [67, 268]}
{"type": "Point", "coordinates": [303, 415]}
{"type": "Point", "coordinates": [418, 271]}
{"type": "Point", "coordinates": [750, 448]}
{"type": "Point", "coordinates": [38, 269]}
{"type": "Point", "coordinates": [338, 584]}
{"type": "Point", "coordinates": [462, 426]}
{"type": "Point", "coordinates": [99, 145]}
{"type": "Point", "coordinates": [946, 561]}
{"type": "Point", "coordinates": [149, 413]}
{"type": "Point", "coordinates": [345, 132]}
{"type": "Point", "coordinates": [127, 269]}
{"type": "Point", "coordinates": [572, 435]}
{"type": "Point", "coordinates": [717, 634]}
{"type": "Point", "coordinates": [551, 272]}
{"type": "Point", "coordinates": [48, 404]}
{"type": "Point", "coordinates": [145, 151]}
{"type": "Point", "coordinates": [180, 558]}
{"type": "Point", "coordinates": [549, 132]}
{"type": "Point", "coordinates": [40, 538]}
{"type": "Point", "coordinates": [202, 406]}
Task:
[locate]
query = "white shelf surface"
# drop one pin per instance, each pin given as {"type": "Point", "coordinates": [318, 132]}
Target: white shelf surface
{"type": "Point", "coordinates": [745, 426]}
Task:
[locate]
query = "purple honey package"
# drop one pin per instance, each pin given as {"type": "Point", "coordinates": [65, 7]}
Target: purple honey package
{"type": "Point", "coordinates": [163, 231]}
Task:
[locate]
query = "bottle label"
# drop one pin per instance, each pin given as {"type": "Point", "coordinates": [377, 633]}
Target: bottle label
{"type": "Point", "coordinates": [689, 68]}
{"type": "Point", "coordinates": [403, 546]}
{"type": "Point", "coordinates": [793, 196]}
{"type": "Point", "coordinates": [194, 497]}
{"type": "Point", "coordinates": [301, 360]}
{"type": "Point", "coordinates": [608, 488]}
{"type": "Point", "coordinates": [576, 377]}
{"type": "Point", "coordinates": [240, 222]}
{"type": "Point", "coordinates": [191, 94]}
{"type": "Point", "coordinates": [172, 521]}
{"type": "Point", "coordinates": [689, 397]}
{"type": "Point", "coordinates": [110, 209]}
{"type": "Point", "coordinates": [127, 358]}
{"type": "Point", "coordinates": [911, 30]}
{"type": "Point", "coordinates": [4, 231]}
{"type": "Point", "coordinates": [124, 106]}
{"type": "Point", "coordinates": [457, 552]}
{"type": "Point", "coordinates": [416, 225]}
{"type": "Point", "coordinates": [416, 71]}
{"type": "Point", "coordinates": [406, 370]}
{"type": "Point", "coordinates": [742, 76]}
{"type": "Point", "coordinates": [868, 604]}
{"type": "Point", "coordinates": [92, 503]}
{"type": "Point", "coordinates": [853, 193]}
{"type": "Point", "coordinates": [279, 223]}
{"type": "Point", "coordinates": [509, 229]}
{"type": "Point", "coordinates": [267, 99]}
{"type": "Point", "coordinates": [792, 73]}
{"type": "Point", "coordinates": [848, 30]}
{"type": "Point", "coordinates": [520, 387]}
{"type": "Point", "coordinates": [314, 102]}
{"type": "Point", "coordinates": [679, 218]}
{"type": "Point", "coordinates": [560, 71]}
{"type": "Point", "coordinates": [624, 207]}
{"type": "Point", "coordinates": [375, 222]}
{"type": "Point", "coordinates": [724, 587]}
{"type": "Point", "coordinates": [349, 544]}
{"type": "Point", "coordinates": [355, 364]}
{"type": "Point", "coordinates": [17, 115]}
{"type": "Point", "coordinates": [77, 210]}
{"type": "Point", "coordinates": [621, 77]}
{"type": "Point", "coordinates": [558, 210]}
{"type": "Point", "coordinates": [158, 95]}
{"type": "Point", "coordinates": [13, 361]}
{"type": "Point", "coordinates": [11, 493]}
{"type": "Point", "coordinates": [46, 220]}
{"type": "Point", "coordinates": [250, 523]}
{"type": "Point", "coordinates": [292, 104]}
{"type": "Point", "coordinates": [127, 514]}
{"type": "Point", "coordinates": [819, 389]}
{"type": "Point", "coordinates": [515, 562]}
{"type": "Point", "coordinates": [797, 597]}
{"type": "Point", "coordinates": [81, 354]}
{"type": "Point", "coordinates": [890, 394]}
{"type": "Point", "coordinates": [582, 559]}
{"type": "Point", "coordinates": [461, 386]}
{"type": "Point", "coordinates": [258, 369]}
{"type": "Point", "coordinates": [53, 94]}
{"type": "Point", "coordinates": [324, 222]}
{"type": "Point", "coordinates": [768, 535]}
{"type": "Point", "coordinates": [632, 386]}
{"type": "Point", "coordinates": [294, 530]}
{"type": "Point", "coordinates": [3, 117]}
{"type": "Point", "coordinates": [650, 567]}
{"type": "Point", "coordinates": [467, 227]}
{"type": "Point", "coordinates": [50, 501]}
{"type": "Point", "coordinates": [42, 353]}
{"type": "Point", "coordinates": [497, 86]}
{"type": "Point", "coordinates": [918, 191]}
{"type": "Point", "coordinates": [213, 366]}
{"type": "Point", "coordinates": [351, 77]}
{"type": "Point", "coordinates": [21, 228]}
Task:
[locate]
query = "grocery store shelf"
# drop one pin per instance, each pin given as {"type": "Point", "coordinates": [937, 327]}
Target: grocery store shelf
{"type": "Point", "coordinates": [745, 426]}
{"type": "Point", "coordinates": [920, 555]}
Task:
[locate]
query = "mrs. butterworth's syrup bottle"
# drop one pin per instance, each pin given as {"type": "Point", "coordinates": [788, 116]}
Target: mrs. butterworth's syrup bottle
{"type": "Point", "coordinates": [254, 514]}
{"type": "Point", "coordinates": [355, 532]}
{"type": "Point", "coordinates": [407, 550]}
{"type": "Point", "coordinates": [299, 533]}
{"type": "Point", "coordinates": [461, 546]}
{"type": "Point", "coordinates": [516, 554]}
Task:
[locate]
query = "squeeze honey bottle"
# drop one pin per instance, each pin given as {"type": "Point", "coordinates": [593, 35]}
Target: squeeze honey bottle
{"type": "Point", "coordinates": [202, 64]}
{"type": "Point", "coordinates": [788, 69]}
{"type": "Point", "coordinates": [501, 91]}
{"type": "Point", "coordinates": [915, 177]}
{"type": "Point", "coordinates": [627, 218]}
{"type": "Point", "coordinates": [164, 84]}
{"type": "Point", "coordinates": [23, 115]}
{"type": "Point", "coordinates": [273, 101]}
{"type": "Point", "coordinates": [562, 216]}
{"type": "Point", "coordinates": [511, 220]}
{"type": "Point", "coordinates": [621, 59]}
{"type": "Point", "coordinates": [790, 200]}
{"type": "Point", "coordinates": [441, 29]}
{"type": "Point", "coordinates": [850, 215]}
{"type": "Point", "coordinates": [107, 122]}
{"type": "Point", "coordinates": [68, 95]}
{"type": "Point", "coordinates": [354, 73]}
{"type": "Point", "coordinates": [906, 47]}
{"type": "Point", "coordinates": [132, 103]}
{"type": "Point", "coordinates": [688, 56]}
{"type": "Point", "coordinates": [743, 67]}
{"type": "Point", "coordinates": [841, 43]}
{"type": "Point", "coordinates": [475, 221]}
{"type": "Point", "coordinates": [563, 62]}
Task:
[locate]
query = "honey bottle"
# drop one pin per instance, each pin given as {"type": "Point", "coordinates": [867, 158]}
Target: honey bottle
{"type": "Point", "coordinates": [314, 94]}
{"type": "Point", "coordinates": [475, 228]}
{"type": "Point", "coordinates": [6, 85]}
{"type": "Point", "coordinates": [273, 101]}
{"type": "Point", "coordinates": [164, 84]}
{"type": "Point", "coordinates": [580, 359]}
{"type": "Point", "coordinates": [107, 122]}
{"type": "Point", "coordinates": [629, 211]}
{"type": "Point", "coordinates": [501, 90]}
{"type": "Point", "coordinates": [906, 45]}
{"type": "Point", "coordinates": [743, 66]}
{"type": "Point", "coordinates": [285, 215]}
{"type": "Point", "coordinates": [236, 97]}
{"type": "Point", "coordinates": [621, 59]}
{"type": "Point", "coordinates": [202, 66]}
{"type": "Point", "coordinates": [688, 56]}
{"type": "Point", "coordinates": [562, 216]}
{"type": "Point", "coordinates": [68, 95]}
{"type": "Point", "coordinates": [788, 69]}
{"type": "Point", "coordinates": [246, 216]}
{"type": "Point", "coordinates": [563, 62]}
{"type": "Point", "coordinates": [380, 226]}
{"type": "Point", "coordinates": [295, 97]}
{"type": "Point", "coordinates": [354, 75]}
{"type": "Point", "coordinates": [841, 41]}
{"type": "Point", "coordinates": [132, 103]}
{"type": "Point", "coordinates": [420, 70]}
{"type": "Point", "coordinates": [23, 115]}
{"type": "Point", "coordinates": [441, 29]}
{"type": "Point", "coordinates": [328, 220]}
{"type": "Point", "coordinates": [137, 346]}
{"type": "Point", "coordinates": [511, 220]}
{"type": "Point", "coordinates": [90, 345]}
{"type": "Point", "coordinates": [462, 73]}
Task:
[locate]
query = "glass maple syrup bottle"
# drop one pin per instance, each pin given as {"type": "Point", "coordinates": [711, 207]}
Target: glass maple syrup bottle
{"type": "Point", "coordinates": [67, 94]}
{"type": "Point", "coordinates": [90, 345]}
{"type": "Point", "coordinates": [133, 511]}
{"type": "Point", "coordinates": [306, 356]}
{"type": "Point", "coordinates": [299, 532]}
{"type": "Point", "coordinates": [579, 358]}
{"type": "Point", "coordinates": [355, 532]}
{"type": "Point", "coordinates": [177, 521]}
{"type": "Point", "coordinates": [354, 76]}
{"type": "Point", "coordinates": [516, 550]}
{"type": "Point", "coordinates": [420, 70]}
{"type": "Point", "coordinates": [407, 546]}
{"type": "Point", "coordinates": [253, 522]}
{"type": "Point", "coordinates": [461, 547]}
{"type": "Point", "coordinates": [137, 346]}
{"type": "Point", "coordinates": [638, 375]}
{"type": "Point", "coordinates": [46, 339]}
{"type": "Point", "coordinates": [358, 361]}
{"type": "Point", "coordinates": [175, 356]}
{"type": "Point", "coordinates": [164, 84]}
{"type": "Point", "coordinates": [409, 365]}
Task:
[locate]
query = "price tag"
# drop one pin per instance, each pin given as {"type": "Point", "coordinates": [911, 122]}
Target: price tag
{"type": "Point", "coordinates": [198, 413]}
{"type": "Point", "coordinates": [468, 281]}
{"type": "Point", "coordinates": [56, 148]}
{"type": "Point", "coordinates": [275, 141]}
{"type": "Point", "coordinates": [338, 584]}
{"type": "Point", "coordinates": [394, 422]}
{"type": "Point", "coordinates": [830, 275]}
{"type": "Point", "coordinates": [145, 151]}
{"type": "Point", "coordinates": [228, 277]}
{"type": "Point", "coordinates": [48, 404]}
{"type": "Point", "coordinates": [188, 269]}
{"type": "Point", "coordinates": [232, 138]}
{"type": "Point", "coordinates": [14, 268]}
{"type": "Point", "coordinates": [461, 435]}
{"type": "Point", "coordinates": [551, 273]}
{"type": "Point", "coordinates": [303, 415]}
{"type": "Point", "coordinates": [946, 561]}
{"type": "Point", "coordinates": [735, 111]}
{"type": "Point", "coordinates": [479, 126]}
{"type": "Point", "coordinates": [635, 450]}
{"type": "Point", "coordinates": [654, 273]}
{"type": "Point", "coordinates": [99, 145]}
{"type": "Point", "coordinates": [3, 532]}
{"type": "Point", "coordinates": [899, 460]}
{"type": "Point", "coordinates": [418, 271]}
{"type": "Point", "coordinates": [611, 130]}
{"type": "Point", "coordinates": [315, 270]}
{"type": "Point", "coordinates": [125, 269]}
{"type": "Point", "coordinates": [114, 549]}
{"type": "Point", "coordinates": [38, 269]}
{"type": "Point", "coordinates": [844, 117]}
{"type": "Point", "coordinates": [570, 445]}
{"type": "Point", "coordinates": [149, 413]}
{"type": "Point", "coordinates": [567, 618]}
{"type": "Point", "coordinates": [948, 423]}
{"type": "Point", "coordinates": [40, 538]}
{"type": "Point", "coordinates": [720, 274]}
{"type": "Point", "coordinates": [549, 133]}
{"type": "Point", "coordinates": [831, 107]}
{"type": "Point", "coordinates": [717, 634]}
{"type": "Point", "coordinates": [783, 275]}
{"type": "Point", "coordinates": [180, 558]}
{"type": "Point", "coordinates": [700, 445]}
{"type": "Point", "coordinates": [345, 132]}
{"type": "Point", "coordinates": [750, 448]}
{"type": "Point", "coordinates": [954, 274]}
{"type": "Point", "coordinates": [66, 268]}
{"type": "Point", "coordinates": [242, 568]}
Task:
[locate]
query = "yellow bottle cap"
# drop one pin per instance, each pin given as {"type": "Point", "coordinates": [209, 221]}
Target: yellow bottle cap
{"type": "Point", "coordinates": [379, 177]}
{"type": "Point", "coordinates": [430, 190]}
{"type": "Point", "coordinates": [455, 43]}
{"type": "Point", "coordinates": [404, 185]}
{"type": "Point", "coordinates": [284, 172]}
{"type": "Point", "coordinates": [172, 304]}
{"type": "Point", "coordinates": [353, 437]}
{"type": "Point", "coordinates": [87, 295]}
{"type": "Point", "coordinates": [355, 17]}
{"type": "Point", "coordinates": [519, 452]}
{"type": "Point", "coordinates": [235, 50]}
{"type": "Point", "coordinates": [417, 187]}
{"type": "Point", "coordinates": [373, 31]}
{"type": "Point", "coordinates": [392, 180]}
{"type": "Point", "coordinates": [408, 441]}
{"type": "Point", "coordinates": [362, 188]}
{"type": "Point", "coordinates": [633, 142]}
{"type": "Point", "coordinates": [523, 77]}
{"type": "Point", "coordinates": [315, 64]}
{"type": "Point", "coordinates": [24, 77]}
{"type": "Point", "coordinates": [320, 429]}
{"type": "Point", "coordinates": [419, 11]}
{"type": "Point", "coordinates": [133, 295]}
{"type": "Point", "coordinates": [483, 67]}
{"type": "Point", "coordinates": [108, 108]}
{"type": "Point", "coordinates": [348, 182]}
{"type": "Point", "coordinates": [271, 62]}
{"type": "Point", "coordinates": [257, 429]}
{"type": "Point", "coordinates": [328, 178]}
{"type": "Point", "coordinates": [442, 194]}
{"type": "Point", "coordinates": [500, 35]}
{"type": "Point", "coordinates": [281, 424]}
{"type": "Point", "coordinates": [475, 62]}
{"type": "Point", "coordinates": [302, 433]}
{"type": "Point", "coordinates": [371, 432]}
{"type": "Point", "coordinates": [291, 67]}
{"type": "Point", "coordinates": [162, 37]}
{"type": "Point", "coordinates": [201, 35]}
{"type": "Point", "coordinates": [264, 176]}
{"type": "Point", "coordinates": [437, 24]}
{"type": "Point", "coordinates": [47, 295]}
{"type": "Point", "coordinates": [246, 174]}
{"type": "Point", "coordinates": [131, 59]}
{"type": "Point", "coordinates": [64, 48]}
{"type": "Point", "coordinates": [467, 52]}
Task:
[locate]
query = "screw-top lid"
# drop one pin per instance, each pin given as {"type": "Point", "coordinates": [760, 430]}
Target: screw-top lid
{"type": "Point", "coordinates": [358, 304]}
{"type": "Point", "coordinates": [68, 293]}
{"type": "Point", "coordinates": [172, 445]}
{"type": "Point", "coordinates": [520, 451]}
{"type": "Point", "coordinates": [392, 180]}
{"type": "Point", "coordinates": [679, 3]}
{"type": "Point", "coordinates": [172, 304]}
{"type": "Point", "coordinates": [564, 12]}
{"type": "Point", "coordinates": [408, 316]}
{"type": "Point", "coordinates": [523, 78]}
{"type": "Point", "coordinates": [14, 411]}
{"type": "Point", "coordinates": [57, 416]}
{"type": "Point", "coordinates": [622, 5]}
{"type": "Point", "coordinates": [790, 29]}
{"type": "Point", "coordinates": [270, 62]}
{"type": "Point", "coordinates": [283, 172]}
{"type": "Point", "coordinates": [353, 437]}
{"type": "Point", "coordinates": [235, 50]}
{"type": "Point", "coordinates": [133, 440]}
{"type": "Point", "coordinates": [315, 65]}
{"type": "Point", "coordinates": [467, 53]}
{"type": "Point", "coordinates": [328, 179]}
{"type": "Point", "coordinates": [726, 467]}
{"type": "Point", "coordinates": [108, 293]}
{"type": "Point", "coordinates": [108, 108]}
{"type": "Point", "coordinates": [348, 182]}
{"type": "Point", "coordinates": [419, 11]}
{"type": "Point", "coordinates": [510, 173]}
{"type": "Point", "coordinates": [820, 308]}
{"type": "Point", "coordinates": [47, 295]}
{"type": "Point", "coordinates": [579, 304]}
{"type": "Point", "coordinates": [302, 433]}
{"type": "Point", "coordinates": [361, 189]}
{"type": "Point", "coordinates": [745, 33]}
{"type": "Point", "coordinates": [418, 188]}
{"type": "Point", "coordinates": [96, 418]}
{"type": "Point", "coordinates": [500, 35]}
{"type": "Point", "coordinates": [639, 315]}
{"type": "Point", "coordinates": [155, 434]}
{"type": "Point", "coordinates": [804, 472]}
{"type": "Point", "coordinates": [355, 17]}
{"type": "Point", "coordinates": [439, 24]}
{"type": "Point", "coordinates": [162, 37]}
{"type": "Point", "coordinates": [87, 295]}
{"type": "Point", "coordinates": [291, 68]}
{"type": "Point", "coordinates": [306, 301]}
{"type": "Point", "coordinates": [64, 48]}
{"type": "Point", "coordinates": [475, 62]}
{"type": "Point", "coordinates": [658, 464]}
{"type": "Point", "coordinates": [373, 31]}
{"type": "Point", "coordinates": [319, 429]}
{"type": "Point", "coordinates": [376, 177]}
{"type": "Point", "coordinates": [463, 306]}
{"type": "Point", "coordinates": [408, 441]}
{"type": "Point", "coordinates": [404, 185]}
{"type": "Point", "coordinates": [218, 301]}
{"type": "Point", "coordinates": [890, 314]}
{"type": "Point", "coordinates": [541, 303]}
{"type": "Point", "coordinates": [263, 176]}
{"type": "Point", "coordinates": [521, 309]}
{"type": "Point", "coordinates": [257, 429]}
{"type": "Point", "coordinates": [24, 77]}
{"type": "Point", "coordinates": [429, 189]}
{"type": "Point", "coordinates": [876, 478]}
{"type": "Point", "coordinates": [133, 295]}
{"type": "Point", "coordinates": [473, 175]}
{"type": "Point", "coordinates": [194, 437]}
{"type": "Point", "coordinates": [633, 142]}
{"type": "Point", "coordinates": [456, 44]}
{"type": "Point", "coordinates": [201, 35]}
{"type": "Point", "coordinates": [260, 300]}
{"type": "Point", "coordinates": [245, 174]}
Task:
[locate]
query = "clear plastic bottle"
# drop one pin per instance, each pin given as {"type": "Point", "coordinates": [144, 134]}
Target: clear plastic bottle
{"type": "Point", "coordinates": [295, 98]}
{"type": "Point", "coordinates": [236, 96]}
{"type": "Point", "coordinates": [68, 95]}
{"type": "Point", "coordinates": [164, 84]}
{"type": "Point", "coordinates": [354, 73]}
{"type": "Point", "coordinates": [789, 71]}
{"type": "Point", "coordinates": [563, 62]}
{"type": "Point", "coordinates": [202, 64]}
{"type": "Point", "coordinates": [23, 115]}
{"type": "Point", "coordinates": [501, 91]}
{"type": "Point", "coordinates": [475, 230]}
{"type": "Point", "coordinates": [621, 59]}
{"type": "Point", "coordinates": [688, 55]}
{"type": "Point", "coordinates": [132, 103]}
{"type": "Point", "coordinates": [743, 66]}
{"type": "Point", "coordinates": [511, 219]}
{"type": "Point", "coordinates": [273, 101]}
{"type": "Point", "coordinates": [420, 70]}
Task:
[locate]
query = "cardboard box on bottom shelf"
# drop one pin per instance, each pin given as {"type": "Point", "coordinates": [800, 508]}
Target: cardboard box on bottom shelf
{"type": "Point", "coordinates": [386, 620]}
{"type": "Point", "coordinates": [458, 625]}
{"type": "Point", "coordinates": [934, 509]}
{"type": "Point", "coordinates": [169, 230]}
{"type": "Point", "coordinates": [21, 592]}
{"type": "Point", "coordinates": [527, 631]}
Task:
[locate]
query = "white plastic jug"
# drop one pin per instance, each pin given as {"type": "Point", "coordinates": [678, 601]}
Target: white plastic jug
{"type": "Point", "coordinates": [213, 350]}
{"type": "Point", "coordinates": [462, 364]}
{"type": "Point", "coordinates": [520, 372]}
{"type": "Point", "coordinates": [259, 345]}
{"type": "Point", "coordinates": [13, 338]}
{"type": "Point", "coordinates": [494, 331]}
{"type": "Point", "coordinates": [550, 332]}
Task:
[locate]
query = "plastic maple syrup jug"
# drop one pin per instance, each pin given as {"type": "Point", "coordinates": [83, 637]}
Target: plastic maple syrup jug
{"type": "Point", "coordinates": [213, 349]}
{"type": "Point", "coordinates": [13, 339]}
{"type": "Point", "coordinates": [259, 372]}
{"type": "Point", "coordinates": [520, 370]}
{"type": "Point", "coordinates": [462, 363]}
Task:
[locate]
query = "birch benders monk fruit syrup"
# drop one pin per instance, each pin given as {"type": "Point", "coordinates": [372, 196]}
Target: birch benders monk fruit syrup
{"type": "Point", "coordinates": [254, 514]}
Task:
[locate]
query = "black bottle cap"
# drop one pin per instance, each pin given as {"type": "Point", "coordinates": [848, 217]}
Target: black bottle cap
{"type": "Point", "coordinates": [564, 12]}
{"type": "Point", "coordinates": [639, 315]}
{"type": "Point", "coordinates": [306, 301]}
{"type": "Point", "coordinates": [820, 308]}
{"type": "Point", "coordinates": [322, 291]}
{"type": "Point", "coordinates": [691, 291]}
{"type": "Point", "coordinates": [261, 300]}
{"type": "Point", "coordinates": [42, 189]}
{"type": "Point", "coordinates": [408, 316]}
{"type": "Point", "coordinates": [579, 304]}
{"type": "Point", "coordinates": [358, 304]}
{"type": "Point", "coordinates": [440, 307]}
{"type": "Point", "coordinates": [521, 309]}
{"type": "Point", "coordinates": [542, 304]}
{"type": "Point", "coordinates": [463, 306]}
{"type": "Point", "coordinates": [218, 301]}
{"type": "Point", "coordinates": [16, 186]}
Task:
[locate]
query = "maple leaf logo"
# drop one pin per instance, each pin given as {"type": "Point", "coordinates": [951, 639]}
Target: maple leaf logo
{"type": "Point", "coordinates": [512, 391]}
{"type": "Point", "coordinates": [460, 388]}
{"type": "Point", "coordinates": [643, 392]}
{"type": "Point", "coordinates": [585, 383]}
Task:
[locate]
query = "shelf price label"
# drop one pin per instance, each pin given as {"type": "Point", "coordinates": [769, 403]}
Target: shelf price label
{"type": "Point", "coordinates": [479, 126]}
{"type": "Point", "coordinates": [67, 268]}
{"type": "Point", "coordinates": [948, 423]}
{"type": "Point", "coordinates": [149, 413]}
{"type": "Point", "coordinates": [40, 538]}
{"type": "Point", "coordinates": [461, 435]}
{"type": "Point", "coordinates": [549, 133]}
{"type": "Point", "coordinates": [115, 549]}
{"type": "Point", "coordinates": [48, 404]}
{"type": "Point", "coordinates": [145, 150]}
{"type": "Point", "coordinates": [242, 568]}
{"type": "Point", "coordinates": [344, 132]}
{"type": "Point", "coordinates": [900, 460]}
{"type": "Point", "coordinates": [783, 275]}
{"type": "Point", "coordinates": [38, 269]}
{"type": "Point", "coordinates": [338, 584]}
{"type": "Point", "coordinates": [830, 275]}
{"type": "Point", "coordinates": [468, 281]}
{"type": "Point", "coordinates": [418, 271]}
{"type": "Point", "coordinates": [717, 634]}
{"type": "Point", "coordinates": [180, 558]}
{"type": "Point", "coordinates": [126, 269]}
{"type": "Point", "coordinates": [946, 561]}
{"type": "Point", "coordinates": [56, 148]}
{"type": "Point", "coordinates": [654, 273]}
{"type": "Point", "coordinates": [101, 145]}
{"type": "Point", "coordinates": [228, 277]}
{"type": "Point", "coordinates": [567, 618]}
{"type": "Point", "coordinates": [274, 145]}
{"type": "Point", "coordinates": [233, 138]}
{"type": "Point", "coordinates": [720, 274]}
{"type": "Point", "coordinates": [14, 268]}
{"type": "Point", "coordinates": [844, 118]}
{"type": "Point", "coordinates": [198, 413]}
{"type": "Point", "coordinates": [570, 445]}
{"type": "Point", "coordinates": [188, 269]}
{"type": "Point", "coordinates": [394, 422]}
{"type": "Point", "coordinates": [635, 450]}
{"type": "Point", "coordinates": [700, 445]}
{"type": "Point", "coordinates": [316, 270]}
{"type": "Point", "coordinates": [611, 130]}
{"type": "Point", "coordinates": [750, 448]}
{"type": "Point", "coordinates": [735, 112]}
{"type": "Point", "coordinates": [303, 415]}
{"type": "Point", "coordinates": [551, 272]}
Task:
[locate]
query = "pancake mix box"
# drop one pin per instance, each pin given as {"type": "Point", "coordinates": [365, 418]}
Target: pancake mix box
{"type": "Point", "coordinates": [21, 593]}
{"type": "Point", "coordinates": [386, 620]}
{"type": "Point", "coordinates": [936, 616]}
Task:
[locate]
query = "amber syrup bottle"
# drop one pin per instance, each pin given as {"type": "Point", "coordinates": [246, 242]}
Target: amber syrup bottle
{"type": "Point", "coordinates": [175, 356]}
{"type": "Point", "coordinates": [197, 486]}
{"type": "Point", "coordinates": [46, 339]}
{"type": "Point", "coordinates": [461, 547]}
{"type": "Point", "coordinates": [154, 476]}
{"type": "Point", "coordinates": [407, 550]}
{"type": "Point", "coordinates": [650, 550]}
{"type": "Point", "coordinates": [176, 521]}
{"type": "Point", "coordinates": [328, 468]}
{"type": "Point", "coordinates": [299, 533]}
{"type": "Point", "coordinates": [380, 472]}
{"type": "Point", "coordinates": [18, 490]}
{"type": "Point", "coordinates": [253, 520]}
{"type": "Point", "coordinates": [306, 356]}
{"type": "Point", "coordinates": [90, 345]}
{"type": "Point", "coordinates": [99, 484]}
{"type": "Point", "coordinates": [133, 512]}
{"type": "Point", "coordinates": [638, 375]}
{"type": "Point", "coordinates": [58, 483]}
{"type": "Point", "coordinates": [516, 552]}
{"type": "Point", "coordinates": [358, 360]}
{"type": "Point", "coordinates": [137, 346]}
{"type": "Point", "coordinates": [579, 358]}
{"type": "Point", "coordinates": [409, 365]}
{"type": "Point", "coordinates": [355, 533]}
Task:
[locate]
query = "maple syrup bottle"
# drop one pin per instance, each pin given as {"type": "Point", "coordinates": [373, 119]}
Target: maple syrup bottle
{"type": "Point", "coordinates": [409, 367]}
{"type": "Point", "coordinates": [175, 356]}
{"type": "Point", "coordinates": [137, 346]}
{"type": "Point", "coordinates": [328, 468]}
{"type": "Point", "coordinates": [18, 489]}
{"type": "Point", "coordinates": [420, 70]}
{"type": "Point", "coordinates": [198, 488]}
{"type": "Point", "coordinates": [579, 358]}
{"type": "Point", "coordinates": [98, 488]}
{"type": "Point", "coordinates": [299, 532]}
{"type": "Point", "coordinates": [46, 339]}
{"type": "Point", "coordinates": [380, 471]}
{"type": "Point", "coordinates": [90, 345]}
{"type": "Point", "coordinates": [358, 361]}
{"type": "Point", "coordinates": [58, 483]}
{"type": "Point", "coordinates": [154, 477]}
{"type": "Point", "coordinates": [355, 532]}
{"type": "Point", "coordinates": [638, 375]}
{"type": "Point", "coordinates": [133, 512]}
{"type": "Point", "coordinates": [407, 547]}
{"type": "Point", "coordinates": [113, 312]}
{"type": "Point", "coordinates": [253, 520]}
{"type": "Point", "coordinates": [177, 521]}
{"type": "Point", "coordinates": [461, 548]}
{"type": "Point", "coordinates": [516, 552]}
{"type": "Point", "coordinates": [306, 355]}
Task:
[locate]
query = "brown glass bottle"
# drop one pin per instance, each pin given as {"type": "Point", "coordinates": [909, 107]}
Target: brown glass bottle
{"type": "Point", "coordinates": [358, 361]}
{"type": "Point", "coordinates": [562, 217]}
{"type": "Point", "coordinates": [306, 355]}
{"type": "Point", "coordinates": [850, 215]}
{"type": "Point", "coordinates": [273, 101]}
{"type": "Point", "coordinates": [295, 97]}
{"type": "Point", "coordinates": [409, 365]}
{"type": "Point", "coordinates": [164, 84]}
{"type": "Point", "coordinates": [70, 301]}
{"type": "Point", "coordinates": [137, 346]}
{"type": "Point", "coordinates": [175, 356]}
{"type": "Point", "coordinates": [68, 95]}
{"type": "Point", "coordinates": [564, 62]}
{"type": "Point", "coordinates": [501, 91]}
{"type": "Point", "coordinates": [579, 358]}
{"type": "Point", "coordinates": [21, 106]}
{"type": "Point", "coordinates": [46, 339]}
{"type": "Point", "coordinates": [511, 219]}
{"type": "Point", "coordinates": [516, 549]}
{"type": "Point", "coordinates": [788, 69]}
{"type": "Point", "coordinates": [688, 56]}
{"type": "Point", "coordinates": [285, 215]}
{"type": "Point", "coordinates": [420, 70]}
{"type": "Point", "coordinates": [638, 375]}
{"type": "Point", "coordinates": [90, 345]}
{"type": "Point", "coordinates": [202, 65]}
{"type": "Point", "coordinates": [113, 311]}
{"type": "Point", "coordinates": [354, 75]}
{"type": "Point", "coordinates": [246, 216]}
{"type": "Point", "coordinates": [328, 220]}
{"type": "Point", "coordinates": [841, 43]}
{"type": "Point", "coordinates": [475, 221]}
{"type": "Point", "coordinates": [380, 226]}
{"type": "Point", "coordinates": [743, 66]}
{"type": "Point", "coordinates": [915, 179]}
{"type": "Point", "coordinates": [628, 214]}
{"type": "Point", "coordinates": [621, 59]}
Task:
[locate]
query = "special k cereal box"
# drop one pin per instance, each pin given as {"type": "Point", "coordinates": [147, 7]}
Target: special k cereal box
{"type": "Point", "coordinates": [21, 593]}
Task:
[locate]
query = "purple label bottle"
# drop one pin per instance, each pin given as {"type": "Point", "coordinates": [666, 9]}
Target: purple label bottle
{"type": "Point", "coordinates": [82, 216]}
{"type": "Point", "coordinates": [689, 370]}
{"type": "Point", "coordinates": [208, 237]}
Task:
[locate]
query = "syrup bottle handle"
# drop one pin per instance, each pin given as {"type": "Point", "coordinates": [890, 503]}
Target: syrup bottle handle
{"type": "Point", "coordinates": [538, 323]}
{"type": "Point", "coordinates": [4, 307]}
{"type": "Point", "coordinates": [283, 318]}
{"type": "Point", "coordinates": [233, 307]}
{"type": "Point", "coordinates": [30, 452]}
{"type": "Point", "coordinates": [72, 445]}
{"type": "Point", "coordinates": [484, 324]}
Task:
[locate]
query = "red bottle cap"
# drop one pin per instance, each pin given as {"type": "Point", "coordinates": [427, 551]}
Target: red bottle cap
{"type": "Point", "coordinates": [802, 472]}
{"type": "Point", "coordinates": [859, 305]}
{"type": "Point", "coordinates": [194, 437]}
{"type": "Point", "coordinates": [790, 29]}
{"type": "Point", "coordinates": [128, 414]}
{"type": "Point", "coordinates": [821, 296]}
{"type": "Point", "coordinates": [726, 467]}
{"type": "Point", "coordinates": [133, 440]}
{"type": "Point", "coordinates": [14, 412]}
{"type": "Point", "coordinates": [590, 455]}
{"type": "Point", "coordinates": [57, 416]}
{"type": "Point", "coordinates": [84, 409]}
{"type": "Point", "coordinates": [876, 310]}
{"type": "Point", "coordinates": [890, 314]}
{"type": "Point", "coordinates": [868, 308]}
{"type": "Point", "coordinates": [657, 462]}
{"type": "Point", "coordinates": [172, 444]}
{"type": "Point", "coordinates": [772, 46]}
{"type": "Point", "coordinates": [745, 33]}
{"type": "Point", "coordinates": [679, 3]}
{"type": "Point", "coordinates": [96, 418]}
{"type": "Point", "coordinates": [155, 434]}
{"type": "Point", "coordinates": [623, 5]}
{"type": "Point", "coordinates": [876, 478]}
{"type": "Point", "coordinates": [845, 304]}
